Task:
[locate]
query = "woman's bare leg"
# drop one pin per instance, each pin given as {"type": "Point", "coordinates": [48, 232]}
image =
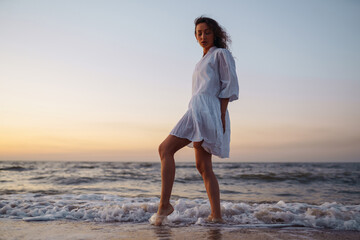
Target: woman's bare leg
{"type": "Point", "coordinates": [204, 166]}
{"type": "Point", "coordinates": [167, 149]}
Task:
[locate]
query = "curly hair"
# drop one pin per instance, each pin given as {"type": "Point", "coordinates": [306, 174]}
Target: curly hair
{"type": "Point", "coordinates": [221, 38]}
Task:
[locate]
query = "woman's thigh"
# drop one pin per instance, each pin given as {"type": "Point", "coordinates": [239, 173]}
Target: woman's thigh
{"type": "Point", "coordinates": [202, 157]}
{"type": "Point", "coordinates": [172, 144]}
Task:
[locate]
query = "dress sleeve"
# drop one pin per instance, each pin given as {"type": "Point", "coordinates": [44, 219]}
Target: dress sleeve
{"type": "Point", "coordinates": [229, 86]}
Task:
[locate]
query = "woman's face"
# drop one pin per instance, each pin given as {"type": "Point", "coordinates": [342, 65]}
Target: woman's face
{"type": "Point", "coordinates": [204, 36]}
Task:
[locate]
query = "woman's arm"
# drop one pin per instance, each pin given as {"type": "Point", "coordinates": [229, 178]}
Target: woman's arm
{"type": "Point", "coordinates": [224, 103]}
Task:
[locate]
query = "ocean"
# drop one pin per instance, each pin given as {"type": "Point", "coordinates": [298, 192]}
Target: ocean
{"type": "Point", "coordinates": [310, 195]}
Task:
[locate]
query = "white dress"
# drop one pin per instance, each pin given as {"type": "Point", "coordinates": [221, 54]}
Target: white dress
{"type": "Point", "coordinates": [214, 78]}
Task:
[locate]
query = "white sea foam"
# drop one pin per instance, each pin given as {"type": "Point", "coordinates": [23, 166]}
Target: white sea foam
{"type": "Point", "coordinates": [112, 208]}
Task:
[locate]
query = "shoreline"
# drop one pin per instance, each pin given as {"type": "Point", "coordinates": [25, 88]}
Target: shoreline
{"type": "Point", "coordinates": [67, 229]}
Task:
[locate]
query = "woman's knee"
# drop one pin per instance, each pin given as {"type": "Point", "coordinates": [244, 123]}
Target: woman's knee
{"type": "Point", "coordinates": [171, 145]}
{"type": "Point", "coordinates": [205, 169]}
{"type": "Point", "coordinates": [162, 149]}
{"type": "Point", "coordinates": [200, 167]}
{"type": "Point", "coordinates": [165, 150]}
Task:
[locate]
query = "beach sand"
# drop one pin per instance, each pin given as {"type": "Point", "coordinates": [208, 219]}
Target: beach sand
{"type": "Point", "coordinates": [76, 230]}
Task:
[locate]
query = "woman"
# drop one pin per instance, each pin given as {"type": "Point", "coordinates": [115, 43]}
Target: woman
{"type": "Point", "coordinates": [206, 124]}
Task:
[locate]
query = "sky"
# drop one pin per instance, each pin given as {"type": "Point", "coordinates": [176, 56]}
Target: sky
{"type": "Point", "coordinates": [108, 80]}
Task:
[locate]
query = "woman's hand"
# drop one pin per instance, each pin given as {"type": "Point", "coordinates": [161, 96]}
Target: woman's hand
{"type": "Point", "coordinates": [223, 102]}
{"type": "Point", "coordinates": [223, 121]}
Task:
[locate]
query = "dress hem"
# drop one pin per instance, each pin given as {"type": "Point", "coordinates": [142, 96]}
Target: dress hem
{"type": "Point", "coordinates": [207, 148]}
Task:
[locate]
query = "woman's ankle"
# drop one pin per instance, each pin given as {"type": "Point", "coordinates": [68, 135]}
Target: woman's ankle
{"type": "Point", "coordinates": [215, 219]}
{"type": "Point", "coordinates": [165, 209]}
{"type": "Point", "coordinates": [164, 205]}
{"type": "Point", "coordinates": [214, 216]}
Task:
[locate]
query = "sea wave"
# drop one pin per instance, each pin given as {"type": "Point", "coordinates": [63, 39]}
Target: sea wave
{"type": "Point", "coordinates": [15, 168]}
{"type": "Point", "coordinates": [301, 177]}
{"type": "Point", "coordinates": [312, 183]}
{"type": "Point", "coordinates": [113, 208]}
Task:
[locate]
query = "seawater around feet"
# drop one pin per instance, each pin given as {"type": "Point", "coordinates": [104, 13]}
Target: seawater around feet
{"type": "Point", "coordinates": [253, 194]}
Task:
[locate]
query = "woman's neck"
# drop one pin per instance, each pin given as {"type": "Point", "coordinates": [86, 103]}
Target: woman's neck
{"type": "Point", "coordinates": [205, 50]}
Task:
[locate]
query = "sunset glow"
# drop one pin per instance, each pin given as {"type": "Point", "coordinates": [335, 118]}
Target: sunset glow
{"type": "Point", "coordinates": [108, 81]}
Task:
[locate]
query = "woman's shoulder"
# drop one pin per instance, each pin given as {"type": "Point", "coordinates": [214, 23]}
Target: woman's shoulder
{"type": "Point", "coordinates": [222, 52]}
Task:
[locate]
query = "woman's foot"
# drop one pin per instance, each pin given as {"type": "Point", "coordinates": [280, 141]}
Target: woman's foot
{"type": "Point", "coordinates": [212, 219]}
{"type": "Point", "coordinates": [162, 213]}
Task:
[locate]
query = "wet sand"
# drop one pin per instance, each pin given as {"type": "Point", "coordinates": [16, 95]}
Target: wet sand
{"type": "Point", "coordinates": [76, 230]}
